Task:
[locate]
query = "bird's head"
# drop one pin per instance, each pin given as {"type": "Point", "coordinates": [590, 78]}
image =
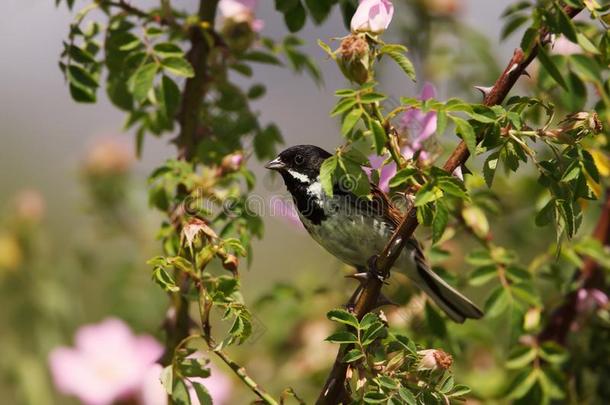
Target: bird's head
{"type": "Point", "coordinates": [299, 163]}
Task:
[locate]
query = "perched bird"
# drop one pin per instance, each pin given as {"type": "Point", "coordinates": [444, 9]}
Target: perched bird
{"type": "Point", "coordinates": [353, 229]}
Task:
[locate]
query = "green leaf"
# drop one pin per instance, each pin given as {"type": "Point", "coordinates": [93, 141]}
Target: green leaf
{"type": "Point", "coordinates": [353, 355]}
{"type": "Point", "coordinates": [489, 168]}
{"type": "Point", "coordinates": [380, 137]}
{"type": "Point", "coordinates": [350, 120]}
{"type": "Point", "coordinates": [180, 393]}
{"type": "Point", "coordinates": [483, 275]}
{"type": "Point", "coordinates": [565, 23]}
{"type": "Point", "coordinates": [261, 57]}
{"type": "Point", "coordinates": [402, 176]}
{"type": "Point", "coordinates": [497, 302]}
{"type": "Point", "coordinates": [203, 395]}
{"type": "Point", "coordinates": [522, 383]}
{"type": "Point", "coordinates": [81, 77]}
{"type": "Point", "coordinates": [428, 193]}
{"type": "Point", "coordinates": [342, 337]}
{"type": "Point", "coordinates": [342, 316]}
{"type": "Point", "coordinates": [407, 396]}
{"type": "Point", "coordinates": [295, 18]}
{"type": "Point", "coordinates": [141, 81]}
{"type": "Point", "coordinates": [402, 61]}
{"type": "Point", "coordinates": [520, 357]}
{"type": "Point", "coordinates": [465, 130]}
{"type": "Point", "coordinates": [167, 49]}
{"type": "Point", "coordinates": [551, 68]}
{"type": "Point", "coordinates": [178, 66]}
{"type": "Point", "coordinates": [439, 222]}
{"type": "Point", "coordinates": [327, 171]}
{"type": "Point", "coordinates": [171, 96]}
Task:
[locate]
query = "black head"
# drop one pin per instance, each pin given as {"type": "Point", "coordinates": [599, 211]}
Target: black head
{"type": "Point", "coordinates": [298, 161]}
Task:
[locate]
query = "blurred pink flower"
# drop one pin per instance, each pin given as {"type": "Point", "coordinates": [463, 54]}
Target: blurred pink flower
{"type": "Point", "coordinates": [241, 11]}
{"type": "Point", "coordinates": [108, 362]}
{"type": "Point", "coordinates": [419, 127]}
{"type": "Point", "coordinates": [286, 210]}
{"type": "Point", "coordinates": [590, 299]}
{"type": "Point", "coordinates": [218, 385]}
{"type": "Point", "coordinates": [372, 16]}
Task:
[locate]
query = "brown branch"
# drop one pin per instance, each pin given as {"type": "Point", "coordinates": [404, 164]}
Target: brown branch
{"type": "Point", "coordinates": [334, 389]}
{"type": "Point", "coordinates": [589, 276]}
{"type": "Point", "coordinates": [178, 321]}
{"type": "Point", "coordinates": [195, 87]}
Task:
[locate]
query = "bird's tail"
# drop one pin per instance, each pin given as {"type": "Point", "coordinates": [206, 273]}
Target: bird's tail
{"type": "Point", "coordinates": [452, 302]}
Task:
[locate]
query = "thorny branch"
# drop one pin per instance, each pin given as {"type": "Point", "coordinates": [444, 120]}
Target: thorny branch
{"type": "Point", "coordinates": [334, 391]}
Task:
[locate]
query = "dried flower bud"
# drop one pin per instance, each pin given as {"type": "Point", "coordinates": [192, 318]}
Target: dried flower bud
{"type": "Point", "coordinates": [434, 359]}
{"type": "Point", "coordinates": [354, 58]}
{"type": "Point", "coordinates": [231, 263]}
{"type": "Point", "coordinates": [575, 127]}
{"type": "Point", "coordinates": [193, 228]}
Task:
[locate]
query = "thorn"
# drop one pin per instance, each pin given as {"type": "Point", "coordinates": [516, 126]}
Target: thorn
{"type": "Point", "coordinates": [512, 68]}
{"type": "Point", "coordinates": [361, 277]}
{"type": "Point", "coordinates": [484, 90]}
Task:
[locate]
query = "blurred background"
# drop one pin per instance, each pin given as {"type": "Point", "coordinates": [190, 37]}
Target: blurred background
{"type": "Point", "coordinates": [66, 261]}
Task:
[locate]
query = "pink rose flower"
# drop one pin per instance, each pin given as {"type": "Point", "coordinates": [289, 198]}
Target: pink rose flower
{"type": "Point", "coordinates": [108, 363]}
{"type": "Point", "coordinates": [372, 16]}
{"type": "Point", "coordinates": [419, 127]}
{"type": "Point", "coordinates": [218, 385]}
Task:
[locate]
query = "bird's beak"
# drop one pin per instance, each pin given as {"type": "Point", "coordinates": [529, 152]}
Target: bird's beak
{"type": "Point", "coordinates": [275, 164]}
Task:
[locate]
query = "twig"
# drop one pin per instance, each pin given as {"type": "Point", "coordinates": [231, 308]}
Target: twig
{"type": "Point", "coordinates": [333, 391]}
{"type": "Point", "coordinates": [204, 311]}
{"type": "Point", "coordinates": [128, 8]}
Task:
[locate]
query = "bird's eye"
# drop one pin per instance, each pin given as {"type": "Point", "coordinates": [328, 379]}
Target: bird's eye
{"type": "Point", "coordinates": [298, 159]}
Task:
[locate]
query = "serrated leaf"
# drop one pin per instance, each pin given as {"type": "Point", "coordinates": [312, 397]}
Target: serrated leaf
{"type": "Point", "coordinates": [353, 355]}
{"type": "Point", "coordinates": [497, 302]}
{"type": "Point", "coordinates": [342, 316]}
{"type": "Point", "coordinates": [520, 357]}
{"type": "Point", "coordinates": [405, 64]}
{"type": "Point", "coordinates": [350, 120]}
{"type": "Point", "coordinates": [439, 222]}
{"type": "Point", "coordinates": [483, 274]}
{"type": "Point", "coordinates": [342, 337]}
{"type": "Point", "coordinates": [380, 137]}
{"type": "Point", "coordinates": [327, 171]}
{"type": "Point", "coordinates": [178, 66]}
{"type": "Point", "coordinates": [465, 130]}
{"type": "Point", "coordinates": [141, 82]}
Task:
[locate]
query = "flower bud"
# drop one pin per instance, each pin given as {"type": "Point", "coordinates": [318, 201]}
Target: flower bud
{"type": "Point", "coordinates": [29, 206]}
{"type": "Point", "coordinates": [231, 163]}
{"type": "Point", "coordinates": [434, 359]}
{"type": "Point", "coordinates": [373, 16]}
{"type": "Point", "coordinates": [231, 263]}
{"type": "Point", "coordinates": [354, 59]}
{"type": "Point", "coordinates": [108, 157]}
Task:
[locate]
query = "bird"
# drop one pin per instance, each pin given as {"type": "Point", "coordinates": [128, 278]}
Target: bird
{"type": "Point", "coordinates": [354, 229]}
